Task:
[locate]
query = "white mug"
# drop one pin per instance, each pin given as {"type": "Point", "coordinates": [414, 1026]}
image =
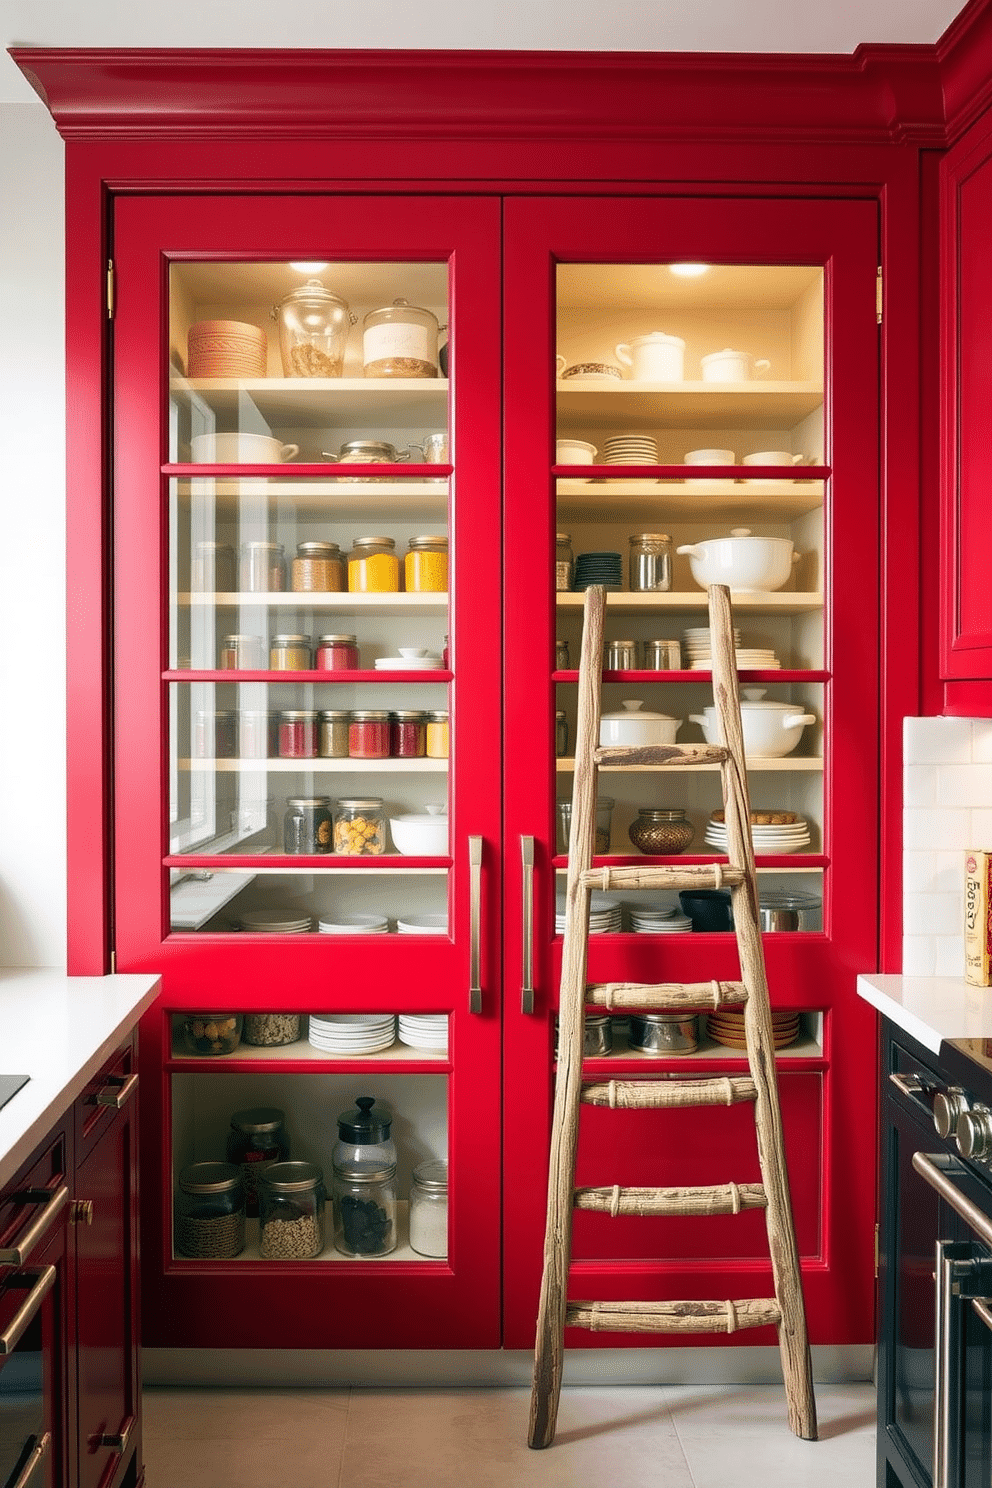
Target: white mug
{"type": "Point", "coordinates": [241, 449]}
{"type": "Point", "coordinates": [654, 357]}
{"type": "Point", "coordinates": [731, 366]}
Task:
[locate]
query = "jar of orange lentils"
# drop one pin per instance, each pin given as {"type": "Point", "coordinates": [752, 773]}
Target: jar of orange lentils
{"type": "Point", "coordinates": [373, 567]}
{"type": "Point", "coordinates": [425, 566]}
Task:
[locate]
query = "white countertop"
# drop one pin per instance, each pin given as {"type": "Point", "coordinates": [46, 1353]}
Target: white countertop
{"type": "Point", "coordinates": [59, 1030]}
{"type": "Point", "coordinates": [931, 1009]}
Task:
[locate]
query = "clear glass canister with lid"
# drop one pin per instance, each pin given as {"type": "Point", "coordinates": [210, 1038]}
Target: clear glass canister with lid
{"type": "Point", "coordinates": [318, 567]}
{"type": "Point", "coordinates": [210, 1211]}
{"type": "Point", "coordinates": [256, 1139]}
{"type": "Point", "coordinates": [263, 567]}
{"type": "Point", "coordinates": [650, 563]}
{"type": "Point", "coordinates": [213, 568]}
{"type": "Point", "coordinates": [332, 738]}
{"type": "Point", "coordinates": [297, 734]}
{"type": "Point", "coordinates": [313, 331]}
{"type": "Point", "coordinates": [360, 826]}
{"type": "Point", "coordinates": [564, 562]}
{"type": "Point", "coordinates": [373, 567]}
{"type": "Point", "coordinates": [308, 825]}
{"type": "Point", "coordinates": [407, 733]}
{"type": "Point", "coordinates": [244, 653]}
{"type": "Point", "coordinates": [425, 567]}
{"type": "Point", "coordinates": [400, 340]}
{"type": "Point", "coordinates": [290, 653]}
{"type": "Point", "coordinates": [429, 1208]}
{"type": "Point", "coordinates": [291, 1202]}
{"type": "Point", "coordinates": [364, 1160]}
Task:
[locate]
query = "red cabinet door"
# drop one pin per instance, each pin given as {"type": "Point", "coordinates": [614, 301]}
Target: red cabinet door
{"type": "Point", "coordinates": [791, 283]}
{"type": "Point", "coordinates": [217, 454]}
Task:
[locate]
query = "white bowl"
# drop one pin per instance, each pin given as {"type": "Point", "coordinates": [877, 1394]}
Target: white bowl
{"type": "Point", "coordinates": [748, 564]}
{"type": "Point", "coordinates": [420, 836]}
{"type": "Point", "coordinates": [423, 924]}
{"type": "Point", "coordinates": [709, 457]}
{"type": "Point", "coordinates": [241, 449]}
{"type": "Point", "coordinates": [574, 452]}
{"type": "Point", "coordinates": [637, 725]}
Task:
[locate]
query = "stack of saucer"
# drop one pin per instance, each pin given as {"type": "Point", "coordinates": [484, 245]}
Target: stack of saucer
{"type": "Point", "coordinates": [631, 449]}
{"type": "Point", "coordinates": [226, 348]}
{"type": "Point", "coordinates": [746, 659]}
{"type": "Point", "coordinates": [354, 924]}
{"type": "Point", "coordinates": [275, 922]}
{"type": "Point", "coordinates": [771, 832]}
{"type": "Point", "coordinates": [423, 924]}
{"type": "Point", "coordinates": [658, 921]}
{"type": "Point", "coordinates": [346, 1034]}
{"type": "Point", "coordinates": [727, 1027]}
{"type": "Point", "coordinates": [605, 914]}
{"type": "Point", "coordinates": [598, 568]}
{"type": "Point", "coordinates": [424, 1030]}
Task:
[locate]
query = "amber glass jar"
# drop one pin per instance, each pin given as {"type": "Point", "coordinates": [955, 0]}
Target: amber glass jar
{"type": "Point", "coordinates": [319, 567]}
{"type": "Point", "coordinates": [661, 831]}
{"type": "Point", "coordinates": [425, 566]}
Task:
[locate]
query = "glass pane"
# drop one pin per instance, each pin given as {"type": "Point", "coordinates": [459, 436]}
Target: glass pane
{"type": "Point", "coordinates": [406, 901]}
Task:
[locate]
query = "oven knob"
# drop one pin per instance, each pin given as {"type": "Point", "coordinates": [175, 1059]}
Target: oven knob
{"type": "Point", "coordinates": [948, 1107]}
{"type": "Point", "coordinates": [974, 1134]}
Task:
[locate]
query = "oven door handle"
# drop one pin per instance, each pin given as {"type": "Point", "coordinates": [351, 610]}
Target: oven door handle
{"type": "Point", "coordinates": [932, 1168]}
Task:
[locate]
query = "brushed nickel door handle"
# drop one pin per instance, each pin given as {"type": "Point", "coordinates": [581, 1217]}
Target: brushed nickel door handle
{"type": "Point", "coordinates": [55, 1201]}
{"type": "Point", "coordinates": [527, 971]}
{"type": "Point", "coordinates": [475, 925]}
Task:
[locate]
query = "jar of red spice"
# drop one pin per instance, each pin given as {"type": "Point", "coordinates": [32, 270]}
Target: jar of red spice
{"type": "Point", "coordinates": [290, 653]}
{"type": "Point", "coordinates": [319, 567]}
{"type": "Point", "coordinates": [368, 734]}
{"type": "Point", "coordinates": [332, 736]}
{"type": "Point", "coordinates": [337, 653]}
{"type": "Point", "coordinates": [407, 734]}
{"type": "Point", "coordinates": [297, 734]}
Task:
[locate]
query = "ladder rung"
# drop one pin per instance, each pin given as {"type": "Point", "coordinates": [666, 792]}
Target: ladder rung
{"type": "Point", "coordinates": [620, 1095]}
{"type": "Point", "coordinates": [664, 876]}
{"type": "Point", "coordinates": [666, 994]}
{"type": "Point", "coordinates": [637, 756]}
{"type": "Point", "coordinates": [674, 1317]}
{"type": "Point", "coordinates": [716, 1198]}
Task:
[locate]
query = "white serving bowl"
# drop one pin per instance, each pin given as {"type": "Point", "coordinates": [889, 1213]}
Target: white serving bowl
{"type": "Point", "coordinates": [770, 729]}
{"type": "Point", "coordinates": [574, 452]}
{"type": "Point", "coordinates": [241, 449]}
{"type": "Point", "coordinates": [635, 724]}
{"type": "Point", "coordinates": [420, 836]}
{"type": "Point", "coordinates": [747, 564]}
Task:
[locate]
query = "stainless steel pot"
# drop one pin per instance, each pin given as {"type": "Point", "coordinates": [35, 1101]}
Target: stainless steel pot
{"type": "Point", "coordinates": [665, 1033]}
{"type": "Point", "coordinates": [778, 912]}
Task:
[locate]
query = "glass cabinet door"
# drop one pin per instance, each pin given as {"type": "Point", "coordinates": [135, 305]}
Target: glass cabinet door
{"type": "Point", "coordinates": [693, 387]}
{"type": "Point", "coordinates": [307, 775]}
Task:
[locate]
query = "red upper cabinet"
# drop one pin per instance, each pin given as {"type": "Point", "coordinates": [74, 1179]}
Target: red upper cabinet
{"type": "Point", "coordinates": [966, 450]}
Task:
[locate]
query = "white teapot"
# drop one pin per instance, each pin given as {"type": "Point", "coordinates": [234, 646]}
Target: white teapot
{"type": "Point", "coordinates": [654, 357]}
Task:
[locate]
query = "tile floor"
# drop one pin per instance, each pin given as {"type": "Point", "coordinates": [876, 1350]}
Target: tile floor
{"type": "Point", "coordinates": [665, 1436]}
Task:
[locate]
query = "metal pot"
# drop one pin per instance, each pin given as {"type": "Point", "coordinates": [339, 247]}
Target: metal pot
{"type": "Point", "coordinates": [786, 911]}
{"type": "Point", "coordinates": [665, 1033]}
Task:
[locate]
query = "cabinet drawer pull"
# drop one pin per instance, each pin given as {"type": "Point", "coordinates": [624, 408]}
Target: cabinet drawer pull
{"type": "Point", "coordinates": [38, 1455]}
{"type": "Point", "coordinates": [475, 925]}
{"type": "Point", "coordinates": [25, 1314]}
{"type": "Point", "coordinates": [55, 1201]}
{"type": "Point", "coordinates": [118, 1095]}
{"type": "Point", "coordinates": [527, 973]}
{"type": "Point", "coordinates": [121, 1440]}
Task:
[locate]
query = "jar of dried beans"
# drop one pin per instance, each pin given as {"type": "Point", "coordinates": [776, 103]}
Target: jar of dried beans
{"type": "Point", "coordinates": [290, 653]}
{"type": "Point", "coordinates": [425, 566]}
{"type": "Point", "coordinates": [368, 734]}
{"type": "Point", "coordinates": [291, 1203]}
{"type": "Point", "coordinates": [337, 653]}
{"type": "Point", "coordinates": [297, 734]}
{"type": "Point", "coordinates": [319, 567]}
{"type": "Point", "coordinates": [210, 1211]}
{"type": "Point", "coordinates": [373, 567]}
{"type": "Point", "coordinates": [407, 734]}
{"type": "Point", "coordinates": [360, 827]}
{"type": "Point", "coordinates": [263, 567]}
{"type": "Point", "coordinates": [332, 736]}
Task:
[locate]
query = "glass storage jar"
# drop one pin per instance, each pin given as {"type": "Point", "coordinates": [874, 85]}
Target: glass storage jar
{"type": "Point", "coordinates": [216, 734]}
{"type": "Point", "coordinates": [429, 1209]}
{"type": "Point", "coordinates": [561, 734]}
{"type": "Point", "coordinates": [332, 737]}
{"type": "Point", "coordinates": [620, 656]}
{"type": "Point", "coordinates": [297, 734]}
{"type": "Point", "coordinates": [368, 733]}
{"type": "Point", "coordinates": [604, 818]}
{"type": "Point", "coordinates": [245, 653]}
{"type": "Point", "coordinates": [373, 567]}
{"type": "Point", "coordinates": [658, 830]}
{"type": "Point", "coordinates": [210, 1211]}
{"type": "Point", "coordinates": [366, 452]}
{"type": "Point", "coordinates": [308, 825]}
{"type": "Point", "coordinates": [213, 568]}
{"type": "Point", "coordinates": [360, 827]}
{"type": "Point", "coordinates": [400, 340]}
{"type": "Point", "coordinates": [253, 734]}
{"type": "Point", "coordinates": [364, 1161]}
{"type": "Point", "coordinates": [271, 1030]}
{"type": "Point", "coordinates": [407, 733]}
{"type": "Point", "coordinates": [437, 743]}
{"type": "Point", "coordinates": [313, 331]}
{"type": "Point", "coordinates": [650, 563]}
{"type": "Point", "coordinates": [318, 567]}
{"type": "Point", "coordinates": [336, 653]}
{"type": "Point", "coordinates": [289, 653]}
{"type": "Point", "coordinates": [263, 567]}
{"type": "Point", "coordinates": [561, 656]}
{"type": "Point", "coordinates": [291, 1201]}
{"type": "Point", "coordinates": [425, 566]}
{"type": "Point", "coordinates": [564, 562]}
{"type": "Point", "coordinates": [211, 1033]}
{"type": "Point", "coordinates": [256, 1139]}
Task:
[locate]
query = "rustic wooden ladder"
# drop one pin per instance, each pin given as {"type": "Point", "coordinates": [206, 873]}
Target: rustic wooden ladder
{"type": "Point", "coordinates": [786, 1309]}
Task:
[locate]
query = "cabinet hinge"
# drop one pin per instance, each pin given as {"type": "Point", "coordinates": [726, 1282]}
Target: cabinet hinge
{"type": "Point", "coordinates": [110, 289]}
{"type": "Point", "coordinates": [878, 295]}
{"type": "Point", "coordinates": [876, 1252]}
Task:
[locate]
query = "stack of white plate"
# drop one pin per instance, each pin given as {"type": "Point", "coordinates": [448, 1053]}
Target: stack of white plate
{"type": "Point", "coordinates": [275, 922]}
{"type": "Point", "coordinates": [423, 924]}
{"type": "Point", "coordinates": [429, 663]}
{"type": "Point", "coordinates": [631, 449]}
{"type": "Point", "coordinates": [768, 838]}
{"type": "Point", "coordinates": [346, 1034]}
{"type": "Point", "coordinates": [424, 1030]}
{"type": "Point", "coordinates": [747, 659]}
{"type": "Point", "coordinates": [658, 921]}
{"type": "Point", "coordinates": [697, 645]}
{"type": "Point", "coordinates": [354, 924]}
{"type": "Point", "coordinates": [605, 914]}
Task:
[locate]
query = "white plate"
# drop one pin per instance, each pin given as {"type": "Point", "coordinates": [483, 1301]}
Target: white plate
{"type": "Point", "coordinates": [409, 664]}
{"type": "Point", "coordinates": [425, 924]}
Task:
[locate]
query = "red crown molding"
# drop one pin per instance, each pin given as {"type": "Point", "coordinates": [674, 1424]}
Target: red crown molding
{"type": "Point", "coordinates": [878, 95]}
{"type": "Point", "coordinates": [964, 54]}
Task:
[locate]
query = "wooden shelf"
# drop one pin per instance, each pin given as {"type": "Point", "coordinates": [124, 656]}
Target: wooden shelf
{"type": "Point", "coordinates": [686, 405]}
{"type": "Point", "coordinates": [404, 1251]}
{"type": "Point", "coordinates": [279, 599]}
{"type": "Point", "coordinates": [324, 402]}
{"type": "Point", "coordinates": [641, 678]}
{"type": "Point", "coordinates": [338, 498]}
{"type": "Point", "coordinates": [711, 501]}
{"type": "Point", "coordinates": [622, 602]}
{"type": "Point", "coordinates": [321, 766]}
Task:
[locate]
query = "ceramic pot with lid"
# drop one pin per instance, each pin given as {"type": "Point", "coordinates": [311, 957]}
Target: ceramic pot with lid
{"type": "Point", "coordinates": [770, 729]}
{"type": "Point", "coordinates": [635, 724]}
{"type": "Point", "coordinates": [731, 366]}
{"type": "Point", "coordinates": [655, 357]}
{"type": "Point", "coordinates": [748, 564]}
{"type": "Point", "coordinates": [313, 331]}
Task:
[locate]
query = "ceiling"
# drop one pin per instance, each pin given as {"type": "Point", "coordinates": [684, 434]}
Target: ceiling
{"type": "Point", "coordinates": [559, 25]}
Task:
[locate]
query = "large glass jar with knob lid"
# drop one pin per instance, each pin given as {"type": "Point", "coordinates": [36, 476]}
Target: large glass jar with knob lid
{"type": "Point", "coordinates": [400, 340]}
{"type": "Point", "coordinates": [364, 1189]}
{"type": "Point", "coordinates": [313, 331]}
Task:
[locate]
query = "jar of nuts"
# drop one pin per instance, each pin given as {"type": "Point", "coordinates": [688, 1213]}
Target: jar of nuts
{"type": "Point", "coordinates": [291, 1200]}
{"type": "Point", "coordinates": [211, 1033]}
{"type": "Point", "coordinates": [360, 826]}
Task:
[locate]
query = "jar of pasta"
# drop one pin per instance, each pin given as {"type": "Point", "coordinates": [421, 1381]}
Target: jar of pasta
{"type": "Point", "coordinates": [360, 827]}
{"type": "Point", "coordinates": [425, 567]}
{"type": "Point", "coordinates": [373, 567]}
{"type": "Point", "coordinates": [318, 567]}
{"type": "Point", "coordinates": [290, 653]}
{"type": "Point", "coordinates": [437, 734]}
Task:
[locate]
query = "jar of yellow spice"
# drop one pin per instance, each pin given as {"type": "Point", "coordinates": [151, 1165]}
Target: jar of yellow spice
{"type": "Point", "coordinates": [373, 567]}
{"type": "Point", "coordinates": [425, 566]}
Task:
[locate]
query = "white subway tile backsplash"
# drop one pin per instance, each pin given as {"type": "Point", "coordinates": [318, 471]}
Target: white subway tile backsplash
{"type": "Point", "coordinates": [949, 955]}
{"type": "Point", "coordinates": [933, 914]}
{"type": "Point", "coordinates": [964, 785]}
{"type": "Point", "coordinates": [931, 828]}
{"type": "Point", "coordinates": [920, 785]}
{"type": "Point", "coordinates": [937, 741]}
{"type": "Point", "coordinates": [981, 829]}
{"type": "Point", "coordinates": [919, 955]}
{"type": "Point", "coordinates": [981, 739]}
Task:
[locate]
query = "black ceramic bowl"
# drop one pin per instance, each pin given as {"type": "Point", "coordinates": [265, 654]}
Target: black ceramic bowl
{"type": "Point", "coordinates": [708, 909]}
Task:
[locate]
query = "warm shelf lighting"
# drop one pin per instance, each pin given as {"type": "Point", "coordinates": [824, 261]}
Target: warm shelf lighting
{"type": "Point", "coordinates": [688, 270]}
{"type": "Point", "coordinates": [308, 268]}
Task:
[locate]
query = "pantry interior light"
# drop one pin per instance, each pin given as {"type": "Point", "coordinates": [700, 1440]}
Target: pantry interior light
{"type": "Point", "coordinates": [308, 268]}
{"type": "Point", "coordinates": [688, 270]}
